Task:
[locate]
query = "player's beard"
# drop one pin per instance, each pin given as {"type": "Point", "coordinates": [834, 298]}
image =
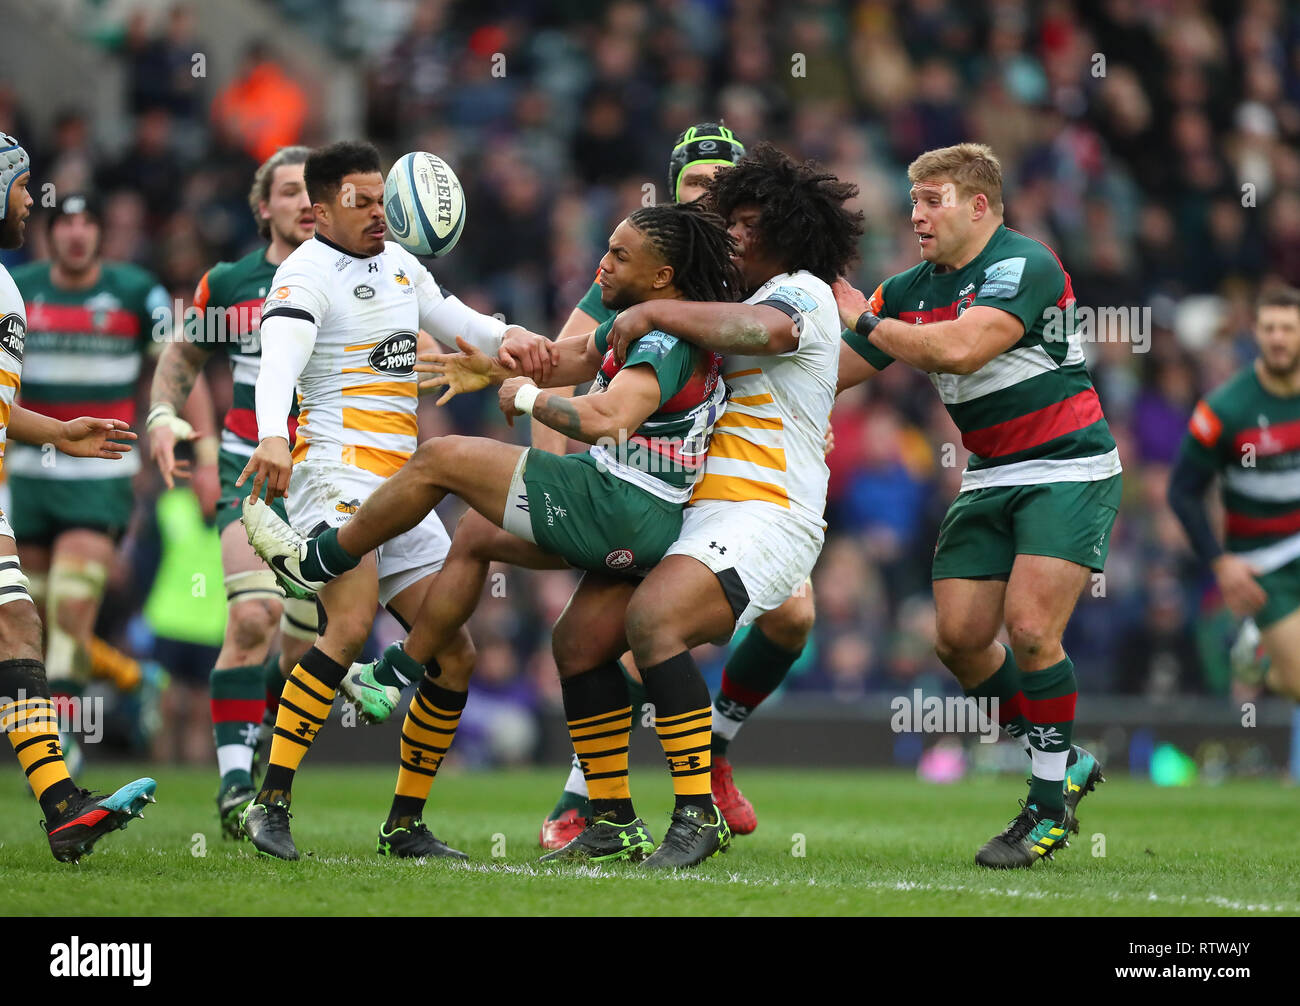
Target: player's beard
{"type": "Point", "coordinates": [11, 232]}
{"type": "Point", "coordinates": [1288, 373]}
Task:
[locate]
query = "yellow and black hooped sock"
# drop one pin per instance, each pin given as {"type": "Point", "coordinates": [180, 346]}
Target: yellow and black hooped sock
{"type": "Point", "coordinates": [28, 719]}
{"type": "Point", "coordinates": [684, 723]}
{"type": "Point", "coordinates": [600, 723]}
{"type": "Point", "coordinates": [430, 727]}
{"type": "Point", "coordinates": [304, 704]}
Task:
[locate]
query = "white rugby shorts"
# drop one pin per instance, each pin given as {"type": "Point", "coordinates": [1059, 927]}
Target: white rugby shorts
{"type": "Point", "coordinates": [761, 553]}
{"type": "Point", "coordinates": [330, 492]}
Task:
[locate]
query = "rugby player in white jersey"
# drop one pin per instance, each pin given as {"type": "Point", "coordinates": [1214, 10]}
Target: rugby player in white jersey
{"type": "Point", "coordinates": [75, 819]}
{"type": "Point", "coordinates": [754, 528]}
{"type": "Point", "coordinates": [342, 323]}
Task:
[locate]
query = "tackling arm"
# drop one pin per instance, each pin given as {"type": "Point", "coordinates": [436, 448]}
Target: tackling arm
{"type": "Point", "coordinates": [745, 329]}
{"type": "Point", "coordinates": [961, 346]}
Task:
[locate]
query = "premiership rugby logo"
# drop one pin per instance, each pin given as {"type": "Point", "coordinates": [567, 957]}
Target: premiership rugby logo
{"type": "Point", "coordinates": [620, 558]}
{"type": "Point", "coordinates": [13, 335]}
{"type": "Point", "coordinates": [395, 355]}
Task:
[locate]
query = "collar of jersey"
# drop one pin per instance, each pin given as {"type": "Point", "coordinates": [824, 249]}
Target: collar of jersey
{"type": "Point", "coordinates": [340, 248]}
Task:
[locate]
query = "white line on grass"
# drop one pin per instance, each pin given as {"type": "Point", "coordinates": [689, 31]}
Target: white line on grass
{"type": "Point", "coordinates": [595, 872]}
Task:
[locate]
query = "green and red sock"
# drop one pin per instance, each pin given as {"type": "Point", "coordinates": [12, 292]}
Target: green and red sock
{"type": "Point", "coordinates": [1049, 701]}
{"type": "Point", "coordinates": [752, 673]}
{"type": "Point", "coordinates": [238, 705]}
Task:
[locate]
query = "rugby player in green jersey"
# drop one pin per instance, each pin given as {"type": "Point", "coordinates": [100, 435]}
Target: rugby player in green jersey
{"type": "Point", "coordinates": [759, 664]}
{"type": "Point", "coordinates": [988, 315]}
{"type": "Point", "coordinates": [1247, 432]}
{"type": "Point", "coordinates": [224, 319]}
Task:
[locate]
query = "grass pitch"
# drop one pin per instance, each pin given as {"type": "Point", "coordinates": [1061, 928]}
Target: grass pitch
{"type": "Point", "coordinates": [828, 843]}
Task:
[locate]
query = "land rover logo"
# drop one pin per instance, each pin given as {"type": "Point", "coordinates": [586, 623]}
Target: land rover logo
{"type": "Point", "coordinates": [13, 335]}
{"type": "Point", "coordinates": [395, 355]}
{"type": "Point", "coordinates": [363, 292]}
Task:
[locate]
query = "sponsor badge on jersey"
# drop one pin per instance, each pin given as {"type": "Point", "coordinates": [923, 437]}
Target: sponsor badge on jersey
{"type": "Point", "coordinates": [395, 355]}
{"type": "Point", "coordinates": [1002, 279]}
{"type": "Point", "coordinates": [13, 335]}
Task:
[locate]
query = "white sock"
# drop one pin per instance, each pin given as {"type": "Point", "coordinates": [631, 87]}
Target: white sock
{"type": "Point", "coordinates": [1049, 765]}
{"type": "Point", "coordinates": [577, 782]}
{"type": "Point", "coordinates": [231, 757]}
{"type": "Point", "coordinates": [724, 725]}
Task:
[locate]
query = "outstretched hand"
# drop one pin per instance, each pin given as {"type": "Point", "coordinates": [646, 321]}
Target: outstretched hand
{"type": "Point", "coordinates": [87, 437]}
{"type": "Point", "coordinates": [469, 370]}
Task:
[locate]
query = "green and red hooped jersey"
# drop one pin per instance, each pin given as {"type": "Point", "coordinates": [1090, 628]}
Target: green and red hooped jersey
{"type": "Point", "coordinates": [1251, 439]}
{"type": "Point", "coordinates": [1031, 414]}
{"type": "Point", "coordinates": [227, 318]}
{"type": "Point", "coordinates": [83, 355]}
{"type": "Point", "coordinates": [665, 455]}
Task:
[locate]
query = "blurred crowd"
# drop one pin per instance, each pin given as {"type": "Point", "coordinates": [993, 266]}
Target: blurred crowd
{"type": "Point", "coordinates": [1151, 143]}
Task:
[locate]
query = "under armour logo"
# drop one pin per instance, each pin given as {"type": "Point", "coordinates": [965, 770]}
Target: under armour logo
{"type": "Point", "coordinates": [722, 549]}
{"type": "Point", "coordinates": [417, 757]}
{"type": "Point", "coordinates": [372, 267]}
{"type": "Point", "coordinates": [305, 729]}
{"type": "Point", "coordinates": [691, 761]}
{"type": "Point", "coordinates": [1045, 736]}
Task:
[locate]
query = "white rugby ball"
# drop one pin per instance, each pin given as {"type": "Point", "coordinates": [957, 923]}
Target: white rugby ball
{"type": "Point", "coordinates": [424, 204]}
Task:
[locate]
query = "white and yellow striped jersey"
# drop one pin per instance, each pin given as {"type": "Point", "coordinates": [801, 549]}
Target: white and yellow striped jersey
{"type": "Point", "coordinates": [769, 444]}
{"type": "Point", "coordinates": [358, 392]}
{"type": "Point", "coordinates": [13, 334]}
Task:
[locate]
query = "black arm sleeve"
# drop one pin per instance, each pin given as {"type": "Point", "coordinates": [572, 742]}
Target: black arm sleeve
{"type": "Point", "coordinates": [1187, 484]}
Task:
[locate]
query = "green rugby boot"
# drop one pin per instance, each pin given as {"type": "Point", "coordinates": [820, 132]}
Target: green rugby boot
{"type": "Point", "coordinates": [1029, 837]}
{"type": "Point", "coordinates": [606, 840]}
{"type": "Point", "coordinates": [231, 803]}
{"type": "Point", "coordinates": [373, 700]}
{"type": "Point", "coordinates": [415, 842]}
{"type": "Point", "coordinates": [1082, 776]}
{"type": "Point", "coordinates": [693, 837]}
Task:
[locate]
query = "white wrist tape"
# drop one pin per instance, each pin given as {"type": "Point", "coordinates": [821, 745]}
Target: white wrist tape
{"type": "Point", "coordinates": [525, 396]}
{"type": "Point", "coordinates": [164, 414]}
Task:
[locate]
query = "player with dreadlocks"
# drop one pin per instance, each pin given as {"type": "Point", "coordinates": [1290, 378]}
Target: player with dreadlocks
{"type": "Point", "coordinates": [611, 512]}
{"type": "Point", "coordinates": [761, 659]}
{"type": "Point", "coordinates": [753, 529]}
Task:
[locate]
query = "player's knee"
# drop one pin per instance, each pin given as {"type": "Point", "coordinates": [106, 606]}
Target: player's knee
{"type": "Point", "coordinates": [438, 455]}
{"type": "Point", "coordinates": [571, 653]}
{"type": "Point", "coordinates": [20, 631]}
{"type": "Point", "coordinates": [953, 648]}
{"type": "Point", "coordinates": [1028, 638]}
{"type": "Point", "coordinates": [456, 666]}
{"type": "Point", "coordinates": [347, 632]}
{"type": "Point", "coordinates": [647, 630]}
{"type": "Point", "coordinates": [251, 624]}
{"type": "Point", "coordinates": [789, 625]}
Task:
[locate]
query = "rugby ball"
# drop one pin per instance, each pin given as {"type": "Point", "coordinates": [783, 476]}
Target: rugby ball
{"type": "Point", "coordinates": [424, 204]}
